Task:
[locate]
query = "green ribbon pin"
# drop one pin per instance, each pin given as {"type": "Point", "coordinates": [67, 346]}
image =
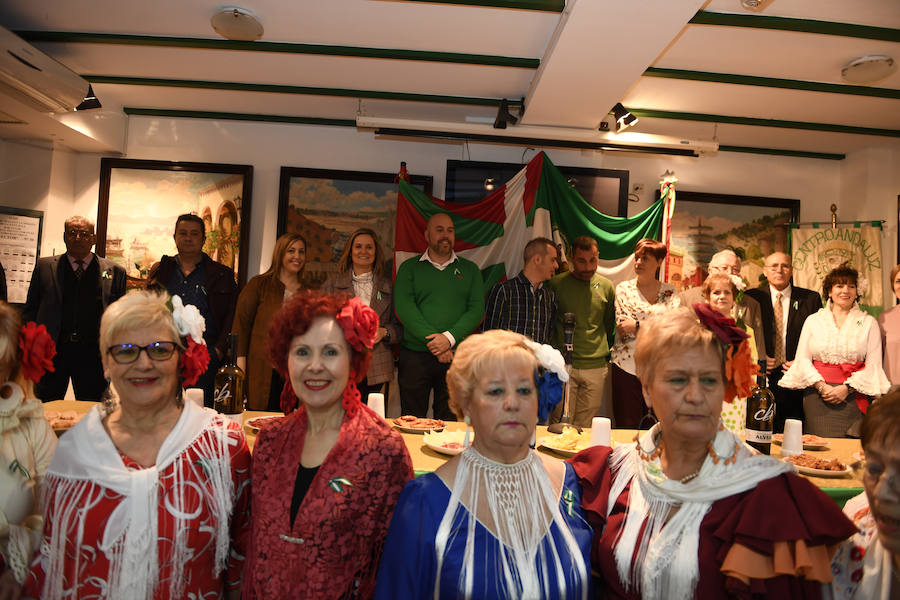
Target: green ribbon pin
{"type": "Point", "coordinates": [338, 483]}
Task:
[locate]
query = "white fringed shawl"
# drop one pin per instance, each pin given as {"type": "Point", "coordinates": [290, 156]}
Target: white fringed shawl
{"type": "Point", "coordinates": [86, 456]}
{"type": "Point", "coordinates": [666, 566]}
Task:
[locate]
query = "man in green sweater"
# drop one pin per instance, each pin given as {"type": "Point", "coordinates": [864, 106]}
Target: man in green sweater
{"type": "Point", "coordinates": [591, 297]}
{"type": "Point", "coordinates": [439, 299]}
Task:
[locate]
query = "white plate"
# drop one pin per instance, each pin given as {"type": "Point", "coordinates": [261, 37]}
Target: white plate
{"type": "Point", "coordinates": [418, 430]}
{"type": "Point", "coordinates": [821, 472]}
{"type": "Point", "coordinates": [824, 446]}
{"type": "Point", "coordinates": [255, 421]}
{"type": "Point", "coordinates": [431, 442]}
{"type": "Point", "coordinates": [547, 443]}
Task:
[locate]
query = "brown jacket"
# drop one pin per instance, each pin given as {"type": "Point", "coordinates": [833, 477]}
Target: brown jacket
{"type": "Point", "coordinates": [257, 303]}
{"type": "Point", "coordinates": [382, 367]}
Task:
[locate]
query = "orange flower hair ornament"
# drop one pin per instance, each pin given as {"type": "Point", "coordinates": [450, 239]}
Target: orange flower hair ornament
{"type": "Point", "coordinates": [740, 369]}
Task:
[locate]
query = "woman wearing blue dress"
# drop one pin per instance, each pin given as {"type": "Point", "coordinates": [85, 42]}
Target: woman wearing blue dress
{"type": "Point", "coordinates": [498, 520]}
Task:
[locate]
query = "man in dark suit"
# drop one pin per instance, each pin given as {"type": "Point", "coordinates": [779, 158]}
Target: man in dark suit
{"type": "Point", "coordinates": [68, 294]}
{"type": "Point", "coordinates": [784, 309]}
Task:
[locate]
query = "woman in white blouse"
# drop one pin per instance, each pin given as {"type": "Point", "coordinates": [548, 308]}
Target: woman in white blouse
{"type": "Point", "coordinates": [838, 360]}
{"type": "Point", "coordinates": [636, 300]}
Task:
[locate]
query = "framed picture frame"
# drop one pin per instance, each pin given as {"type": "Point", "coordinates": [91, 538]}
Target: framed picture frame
{"type": "Point", "coordinates": [140, 200]}
{"type": "Point", "coordinates": [705, 223]}
{"type": "Point", "coordinates": [325, 206]}
{"type": "Point", "coordinates": [20, 247]}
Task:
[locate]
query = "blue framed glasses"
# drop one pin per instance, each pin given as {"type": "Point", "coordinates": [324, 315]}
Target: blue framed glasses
{"type": "Point", "coordinates": [125, 354]}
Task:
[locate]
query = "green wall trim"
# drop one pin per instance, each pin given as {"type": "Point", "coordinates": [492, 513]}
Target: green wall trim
{"type": "Point", "coordinates": [780, 152]}
{"type": "Point", "coordinates": [229, 116]}
{"type": "Point", "coordinates": [772, 82]}
{"type": "Point", "coordinates": [800, 25]}
{"type": "Point", "coordinates": [292, 89]}
{"type": "Point", "coordinates": [686, 116]}
{"type": "Point", "coordinates": [74, 37]}
{"type": "Point", "coordinates": [544, 5]}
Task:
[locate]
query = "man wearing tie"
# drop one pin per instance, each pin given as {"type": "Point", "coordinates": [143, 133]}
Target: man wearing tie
{"type": "Point", "coordinates": [784, 308]}
{"type": "Point", "coordinates": [68, 294]}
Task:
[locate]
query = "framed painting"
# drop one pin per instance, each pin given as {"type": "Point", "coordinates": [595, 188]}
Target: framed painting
{"type": "Point", "coordinates": [140, 200]}
{"type": "Point", "coordinates": [704, 224]}
{"type": "Point", "coordinates": [325, 206]}
{"type": "Point", "coordinates": [20, 247]}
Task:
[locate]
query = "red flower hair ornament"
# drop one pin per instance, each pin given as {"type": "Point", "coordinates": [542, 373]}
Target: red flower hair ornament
{"type": "Point", "coordinates": [190, 325]}
{"type": "Point", "coordinates": [740, 369]}
{"type": "Point", "coordinates": [36, 349]}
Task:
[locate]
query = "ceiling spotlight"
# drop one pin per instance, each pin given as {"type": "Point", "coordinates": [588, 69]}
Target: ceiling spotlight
{"type": "Point", "coordinates": [503, 116]}
{"type": "Point", "coordinates": [489, 184]}
{"type": "Point", "coordinates": [90, 100]}
{"type": "Point", "coordinates": [869, 68]}
{"type": "Point", "coordinates": [236, 23]}
{"type": "Point", "coordinates": [624, 119]}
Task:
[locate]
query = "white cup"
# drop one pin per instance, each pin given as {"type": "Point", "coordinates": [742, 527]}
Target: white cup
{"type": "Point", "coordinates": [194, 395]}
{"type": "Point", "coordinates": [376, 403]}
{"type": "Point", "coordinates": [600, 431]}
{"type": "Point", "coordinates": [793, 438]}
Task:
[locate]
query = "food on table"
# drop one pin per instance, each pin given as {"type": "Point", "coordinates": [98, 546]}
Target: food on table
{"type": "Point", "coordinates": [569, 440]}
{"type": "Point", "coordinates": [62, 419]}
{"type": "Point", "coordinates": [811, 462]}
{"type": "Point", "coordinates": [808, 439]}
{"type": "Point", "coordinates": [451, 440]}
{"type": "Point", "coordinates": [260, 422]}
{"type": "Point", "coordinates": [411, 422]}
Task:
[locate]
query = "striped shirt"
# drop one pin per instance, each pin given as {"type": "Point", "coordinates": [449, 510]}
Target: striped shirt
{"type": "Point", "coordinates": [515, 305]}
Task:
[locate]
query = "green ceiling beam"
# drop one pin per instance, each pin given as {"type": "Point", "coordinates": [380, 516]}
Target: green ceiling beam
{"type": "Point", "coordinates": [829, 127]}
{"type": "Point", "coordinates": [780, 152]}
{"type": "Point", "coordinates": [772, 82]}
{"type": "Point", "coordinates": [544, 5]}
{"type": "Point", "coordinates": [798, 25]}
{"type": "Point", "coordinates": [73, 37]}
{"type": "Point", "coordinates": [229, 116]}
{"type": "Point", "coordinates": [292, 89]}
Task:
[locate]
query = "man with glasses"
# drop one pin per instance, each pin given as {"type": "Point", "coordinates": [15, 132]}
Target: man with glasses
{"type": "Point", "coordinates": [785, 308]}
{"type": "Point", "coordinates": [68, 294]}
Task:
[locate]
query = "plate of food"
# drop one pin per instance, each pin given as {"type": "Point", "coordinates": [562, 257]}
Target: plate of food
{"type": "Point", "coordinates": [411, 424]}
{"type": "Point", "coordinates": [567, 443]}
{"type": "Point", "coordinates": [819, 467]}
{"type": "Point", "coordinates": [257, 423]}
{"type": "Point", "coordinates": [447, 442]}
{"type": "Point", "coordinates": [62, 420]}
{"type": "Point", "coordinates": [810, 441]}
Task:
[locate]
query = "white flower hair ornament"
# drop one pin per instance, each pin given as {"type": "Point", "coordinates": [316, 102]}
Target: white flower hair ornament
{"type": "Point", "coordinates": [549, 377]}
{"type": "Point", "coordinates": [550, 358]}
{"type": "Point", "coordinates": [191, 325]}
{"type": "Point", "coordinates": [862, 286]}
{"type": "Point", "coordinates": [188, 320]}
{"type": "Point", "coordinates": [738, 282]}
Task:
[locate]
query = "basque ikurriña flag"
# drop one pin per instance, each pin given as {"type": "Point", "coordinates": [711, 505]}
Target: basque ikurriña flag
{"type": "Point", "coordinates": [537, 202]}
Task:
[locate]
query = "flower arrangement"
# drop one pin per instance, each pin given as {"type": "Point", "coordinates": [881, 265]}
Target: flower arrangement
{"type": "Point", "coordinates": [549, 378]}
{"type": "Point", "coordinates": [359, 323]}
{"type": "Point", "coordinates": [190, 324]}
{"type": "Point", "coordinates": [37, 350]}
{"type": "Point", "coordinates": [739, 366]}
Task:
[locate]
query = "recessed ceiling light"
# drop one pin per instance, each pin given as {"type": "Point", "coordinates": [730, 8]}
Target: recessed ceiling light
{"type": "Point", "coordinates": [868, 69]}
{"type": "Point", "coordinates": [236, 23]}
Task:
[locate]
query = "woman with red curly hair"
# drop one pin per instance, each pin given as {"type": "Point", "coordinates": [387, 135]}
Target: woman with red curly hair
{"type": "Point", "coordinates": [326, 476]}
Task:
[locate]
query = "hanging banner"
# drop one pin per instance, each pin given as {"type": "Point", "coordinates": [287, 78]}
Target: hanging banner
{"type": "Point", "coordinates": [817, 251]}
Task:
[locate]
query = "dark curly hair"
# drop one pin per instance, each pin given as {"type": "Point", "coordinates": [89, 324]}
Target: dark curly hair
{"type": "Point", "coordinates": [842, 274]}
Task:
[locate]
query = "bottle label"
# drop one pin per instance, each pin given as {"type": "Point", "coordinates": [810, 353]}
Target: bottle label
{"type": "Point", "coordinates": [765, 414]}
{"type": "Point", "coordinates": [760, 437]}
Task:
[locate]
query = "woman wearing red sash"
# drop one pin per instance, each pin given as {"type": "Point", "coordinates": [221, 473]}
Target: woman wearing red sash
{"type": "Point", "coordinates": [838, 360]}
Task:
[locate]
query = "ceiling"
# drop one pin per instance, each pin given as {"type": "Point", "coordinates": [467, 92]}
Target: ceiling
{"type": "Point", "coordinates": [766, 81]}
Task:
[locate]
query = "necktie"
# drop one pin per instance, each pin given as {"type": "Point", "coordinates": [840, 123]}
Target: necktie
{"type": "Point", "coordinates": [79, 270]}
{"type": "Point", "coordinates": [779, 329]}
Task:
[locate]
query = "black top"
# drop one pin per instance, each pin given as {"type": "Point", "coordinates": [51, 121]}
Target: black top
{"type": "Point", "coordinates": [304, 479]}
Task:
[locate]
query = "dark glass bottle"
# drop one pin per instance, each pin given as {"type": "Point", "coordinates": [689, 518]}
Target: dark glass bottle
{"type": "Point", "coordinates": [760, 415]}
{"type": "Point", "coordinates": [229, 390]}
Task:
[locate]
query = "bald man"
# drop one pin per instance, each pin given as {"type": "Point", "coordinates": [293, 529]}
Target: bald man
{"type": "Point", "coordinates": [783, 335]}
{"type": "Point", "coordinates": [439, 298]}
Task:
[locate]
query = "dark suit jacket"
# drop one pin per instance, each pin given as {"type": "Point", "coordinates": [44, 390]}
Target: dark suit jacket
{"type": "Point", "coordinates": [803, 303]}
{"type": "Point", "coordinates": [44, 302]}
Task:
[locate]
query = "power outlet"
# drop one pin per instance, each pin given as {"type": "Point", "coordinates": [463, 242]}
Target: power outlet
{"type": "Point", "coordinates": [637, 188]}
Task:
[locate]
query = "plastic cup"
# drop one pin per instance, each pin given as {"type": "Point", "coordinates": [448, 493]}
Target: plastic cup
{"type": "Point", "coordinates": [600, 431]}
{"type": "Point", "coordinates": [793, 438]}
{"type": "Point", "coordinates": [194, 395]}
{"type": "Point", "coordinates": [376, 403]}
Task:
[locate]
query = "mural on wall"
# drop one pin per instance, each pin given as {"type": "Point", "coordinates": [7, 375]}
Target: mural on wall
{"type": "Point", "coordinates": [326, 206]}
{"type": "Point", "coordinates": [140, 200]}
{"type": "Point", "coordinates": [704, 224]}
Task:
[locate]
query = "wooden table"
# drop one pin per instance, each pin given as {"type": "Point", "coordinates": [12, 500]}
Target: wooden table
{"type": "Point", "coordinates": [426, 460]}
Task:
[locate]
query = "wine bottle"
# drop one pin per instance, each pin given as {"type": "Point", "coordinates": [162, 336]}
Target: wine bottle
{"type": "Point", "coordinates": [760, 415]}
{"type": "Point", "coordinates": [229, 387]}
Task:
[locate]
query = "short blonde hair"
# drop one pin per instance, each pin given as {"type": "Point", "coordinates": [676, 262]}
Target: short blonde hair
{"type": "Point", "coordinates": [493, 351]}
{"type": "Point", "coordinates": [137, 310]}
{"type": "Point", "coordinates": [670, 333]}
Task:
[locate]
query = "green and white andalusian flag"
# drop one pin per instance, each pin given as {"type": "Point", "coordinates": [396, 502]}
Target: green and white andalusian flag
{"type": "Point", "coordinates": [536, 202]}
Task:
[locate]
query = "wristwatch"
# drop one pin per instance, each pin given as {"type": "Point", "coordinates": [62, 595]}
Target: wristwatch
{"type": "Point", "coordinates": [387, 336]}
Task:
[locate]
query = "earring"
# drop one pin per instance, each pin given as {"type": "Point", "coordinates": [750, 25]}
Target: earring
{"type": "Point", "coordinates": [109, 402]}
{"type": "Point", "coordinates": [468, 423]}
{"type": "Point", "coordinates": [657, 447]}
{"type": "Point", "coordinates": [731, 458]}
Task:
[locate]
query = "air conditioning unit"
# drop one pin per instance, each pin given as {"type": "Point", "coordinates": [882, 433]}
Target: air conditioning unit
{"type": "Point", "coordinates": [33, 78]}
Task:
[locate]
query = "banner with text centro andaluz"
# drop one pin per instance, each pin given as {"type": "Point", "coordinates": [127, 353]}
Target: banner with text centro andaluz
{"type": "Point", "coordinates": [816, 251]}
{"type": "Point", "coordinates": [537, 202]}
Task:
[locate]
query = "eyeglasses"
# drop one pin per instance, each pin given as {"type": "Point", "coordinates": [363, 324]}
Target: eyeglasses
{"type": "Point", "coordinates": [79, 235]}
{"type": "Point", "coordinates": [125, 354]}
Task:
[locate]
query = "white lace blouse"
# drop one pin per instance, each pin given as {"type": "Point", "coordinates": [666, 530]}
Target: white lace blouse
{"type": "Point", "coordinates": [631, 305]}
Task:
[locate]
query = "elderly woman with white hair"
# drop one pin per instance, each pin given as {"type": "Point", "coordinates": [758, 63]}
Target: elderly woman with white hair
{"type": "Point", "coordinates": [147, 496]}
{"type": "Point", "coordinates": [498, 520]}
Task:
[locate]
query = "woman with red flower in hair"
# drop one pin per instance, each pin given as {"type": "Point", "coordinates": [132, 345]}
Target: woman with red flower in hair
{"type": "Point", "coordinates": [147, 496]}
{"type": "Point", "coordinates": [326, 477]}
{"type": "Point", "coordinates": [26, 444]}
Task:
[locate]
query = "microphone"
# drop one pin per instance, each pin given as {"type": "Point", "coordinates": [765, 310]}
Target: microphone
{"type": "Point", "coordinates": [568, 336]}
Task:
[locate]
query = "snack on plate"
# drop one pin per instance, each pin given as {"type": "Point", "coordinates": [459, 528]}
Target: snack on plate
{"type": "Point", "coordinates": [811, 462]}
{"type": "Point", "coordinates": [62, 419]}
{"type": "Point", "coordinates": [260, 422]}
{"type": "Point", "coordinates": [452, 440]}
{"type": "Point", "coordinates": [808, 439]}
{"type": "Point", "coordinates": [411, 422]}
{"type": "Point", "coordinates": [569, 440]}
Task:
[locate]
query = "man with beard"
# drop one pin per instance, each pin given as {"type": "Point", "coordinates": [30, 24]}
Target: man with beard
{"type": "Point", "coordinates": [439, 298]}
{"type": "Point", "coordinates": [591, 298]}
